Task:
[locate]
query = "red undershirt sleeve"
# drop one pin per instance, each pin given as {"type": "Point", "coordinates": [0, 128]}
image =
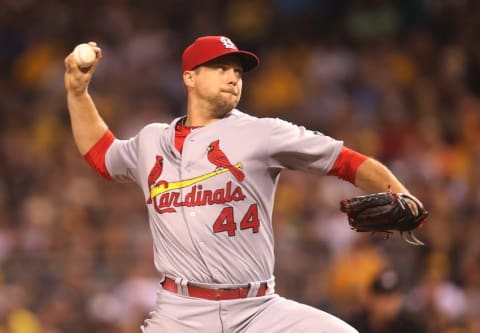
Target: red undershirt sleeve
{"type": "Point", "coordinates": [95, 157]}
{"type": "Point", "coordinates": [346, 165]}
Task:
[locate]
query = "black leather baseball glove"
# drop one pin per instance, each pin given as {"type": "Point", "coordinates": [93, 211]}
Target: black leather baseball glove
{"type": "Point", "coordinates": [386, 212]}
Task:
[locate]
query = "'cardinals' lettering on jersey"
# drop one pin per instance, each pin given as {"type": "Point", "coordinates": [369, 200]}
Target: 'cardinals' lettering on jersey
{"type": "Point", "coordinates": [197, 197]}
{"type": "Point", "coordinates": [166, 202]}
{"type": "Point", "coordinates": [211, 206]}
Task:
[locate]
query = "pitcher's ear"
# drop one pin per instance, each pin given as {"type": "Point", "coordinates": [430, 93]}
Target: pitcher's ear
{"type": "Point", "coordinates": [188, 79]}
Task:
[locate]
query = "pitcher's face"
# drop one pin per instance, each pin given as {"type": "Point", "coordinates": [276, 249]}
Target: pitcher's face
{"type": "Point", "coordinates": [219, 84]}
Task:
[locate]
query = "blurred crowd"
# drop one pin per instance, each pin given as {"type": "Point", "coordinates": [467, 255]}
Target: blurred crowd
{"type": "Point", "coordinates": [396, 80]}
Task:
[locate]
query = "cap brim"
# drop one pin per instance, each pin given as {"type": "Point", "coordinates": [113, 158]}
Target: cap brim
{"type": "Point", "coordinates": [248, 60]}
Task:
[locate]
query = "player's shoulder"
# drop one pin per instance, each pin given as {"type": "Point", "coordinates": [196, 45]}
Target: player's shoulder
{"type": "Point", "coordinates": [239, 116]}
{"type": "Point", "coordinates": [154, 127]}
{"type": "Point", "coordinates": [153, 130]}
{"type": "Point", "coordinates": [242, 118]}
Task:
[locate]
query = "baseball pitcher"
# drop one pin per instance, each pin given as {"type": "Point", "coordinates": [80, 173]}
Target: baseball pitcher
{"type": "Point", "coordinates": [208, 180]}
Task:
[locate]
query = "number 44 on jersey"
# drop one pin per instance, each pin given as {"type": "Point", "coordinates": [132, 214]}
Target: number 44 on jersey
{"type": "Point", "coordinates": [226, 221]}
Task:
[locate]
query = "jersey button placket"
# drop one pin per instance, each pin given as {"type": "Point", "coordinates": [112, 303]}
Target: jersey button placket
{"type": "Point", "coordinates": [190, 213]}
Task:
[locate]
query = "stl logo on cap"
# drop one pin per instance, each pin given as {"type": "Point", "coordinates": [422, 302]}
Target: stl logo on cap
{"type": "Point", "coordinates": [227, 43]}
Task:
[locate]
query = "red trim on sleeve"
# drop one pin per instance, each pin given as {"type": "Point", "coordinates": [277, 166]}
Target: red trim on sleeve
{"type": "Point", "coordinates": [95, 157]}
{"type": "Point", "coordinates": [346, 165]}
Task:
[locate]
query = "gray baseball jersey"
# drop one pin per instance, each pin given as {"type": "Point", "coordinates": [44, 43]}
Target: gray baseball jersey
{"type": "Point", "coordinates": [210, 207]}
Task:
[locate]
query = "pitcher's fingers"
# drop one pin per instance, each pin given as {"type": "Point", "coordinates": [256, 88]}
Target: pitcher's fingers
{"type": "Point", "coordinates": [98, 50]}
{"type": "Point", "coordinates": [70, 62]}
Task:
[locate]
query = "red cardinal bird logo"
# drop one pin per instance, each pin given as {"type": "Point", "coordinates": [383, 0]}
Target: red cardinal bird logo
{"type": "Point", "coordinates": [154, 174]}
{"type": "Point", "coordinates": [217, 157]}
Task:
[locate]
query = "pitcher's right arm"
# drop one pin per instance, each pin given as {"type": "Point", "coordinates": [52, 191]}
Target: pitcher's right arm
{"type": "Point", "coordinates": [88, 126]}
{"type": "Point", "coordinates": [90, 132]}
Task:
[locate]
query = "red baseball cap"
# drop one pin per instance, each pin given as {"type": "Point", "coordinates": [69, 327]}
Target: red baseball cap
{"type": "Point", "coordinates": [207, 48]}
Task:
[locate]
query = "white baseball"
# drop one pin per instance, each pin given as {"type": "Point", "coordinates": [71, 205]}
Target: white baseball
{"type": "Point", "coordinates": [84, 55]}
